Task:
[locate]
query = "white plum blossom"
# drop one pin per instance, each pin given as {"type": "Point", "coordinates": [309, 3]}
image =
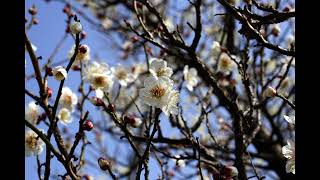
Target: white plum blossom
{"type": "Point", "coordinates": [32, 112]}
{"type": "Point", "coordinates": [59, 73]}
{"type": "Point", "coordinates": [82, 56]}
{"type": "Point", "coordinates": [159, 68]}
{"type": "Point", "coordinates": [122, 74]}
{"type": "Point", "coordinates": [68, 99]}
{"type": "Point", "coordinates": [75, 27]}
{"type": "Point", "coordinates": [99, 76]}
{"type": "Point", "coordinates": [159, 92]}
{"type": "Point", "coordinates": [33, 143]}
{"type": "Point", "coordinates": [290, 119]}
{"type": "Point", "coordinates": [225, 63]}
{"type": "Point", "coordinates": [288, 151]}
{"type": "Point", "coordinates": [64, 116]}
{"type": "Point", "coordinates": [215, 48]}
{"type": "Point", "coordinates": [95, 68]}
{"type": "Point", "coordinates": [191, 77]}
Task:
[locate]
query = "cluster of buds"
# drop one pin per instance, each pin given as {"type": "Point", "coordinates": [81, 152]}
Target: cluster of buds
{"type": "Point", "coordinates": [132, 120]}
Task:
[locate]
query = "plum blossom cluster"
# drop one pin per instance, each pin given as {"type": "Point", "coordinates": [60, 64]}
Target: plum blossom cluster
{"type": "Point", "coordinates": [158, 90]}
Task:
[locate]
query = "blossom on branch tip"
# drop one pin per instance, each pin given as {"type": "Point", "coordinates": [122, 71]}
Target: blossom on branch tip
{"type": "Point", "coordinates": [33, 143]}
{"type": "Point", "coordinates": [59, 73]}
{"type": "Point", "coordinates": [75, 27]}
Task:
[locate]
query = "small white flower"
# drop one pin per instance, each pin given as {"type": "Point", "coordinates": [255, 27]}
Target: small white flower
{"type": "Point", "coordinates": [270, 92]}
{"type": "Point", "coordinates": [159, 92]}
{"type": "Point", "coordinates": [95, 68]}
{"type": "Point", "coordinates": [190, 76]}
{"type": "Point", "coordinates": [98, 75]}
{"type": "Point", "coordinates": [75, 27]}
{"type": "Point", "coordinates": [59, 73]}
{"type": "Point", "coordinates": [65, 116]}
{"type": "Point", "coordinates": [216, 48]}
{"type": "Point", "coordinates": [82, 56]}
{"type": "Point", "coordinates": [68, 99]}
{"type": "Point", "coordinates": [158, 67]}
{"type": "Point", "coordinates": [101, 81]}
{"type": "Point", "coordinates": [288, 151]}
{"type": "Point", "coordinates": [290, 119]}
{"type": "Point", "coordinates": [32, 112]}
{"type": "Point", "coordinates": [33, 143]}
{"type": "Point", "coordinates": [122, 74]}
{"type": "Point", "coordinates": [225, 63]}
{"type": "Point", "coordinates": [106, 23]}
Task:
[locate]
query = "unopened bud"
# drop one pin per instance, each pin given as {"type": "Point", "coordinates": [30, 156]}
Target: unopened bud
{"type": "Point", "coordinates": [35, 21]}
{"type": "Point", "coordinates": [49, 91]}
{"type": "Point", "coordinates": [270, 92]}
{"type": "Point", "coordinates": [104, 164]}
{"type": "Point", "coordinates": [83, 48]}
{"type": "Point", "coordinates": [111, 107]}
{"type": "Point", "coordinates": [75, 28]}
{"type": "Point", "coordinates": [88, 125]}
{"type": "Point", "coordinates": [135, 39]}
{"type": "Point", "coordinates": [132, 120]}
{"type": "Point", "coordinates": [97, 101]}
{"type": "Point", "coordinates": [83, 35]}
{"type": "Point", "coordinates": [275, 30]}
{"type": "Point", "coordinates": [33, 10]}
{"type": "Point", "coordinates": [49, 71]}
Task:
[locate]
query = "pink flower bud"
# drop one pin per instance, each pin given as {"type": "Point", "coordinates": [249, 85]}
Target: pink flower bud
{"type": "Point", "coordinates": [88, 125]}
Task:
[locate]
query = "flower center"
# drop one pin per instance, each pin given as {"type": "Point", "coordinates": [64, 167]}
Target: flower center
{"type": "Point", "coordinates": [158, 91]}
{"type": "Point", "coordinates": [31, 142]}
{"type": "Point", "coordinates": [225, 62]}
{"type": "Point", "coordinates": [161, 72]}
{"type": "Point", "coordinates": [122, 74]}
{"type": "Point", "coordinates": [100, 81]}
